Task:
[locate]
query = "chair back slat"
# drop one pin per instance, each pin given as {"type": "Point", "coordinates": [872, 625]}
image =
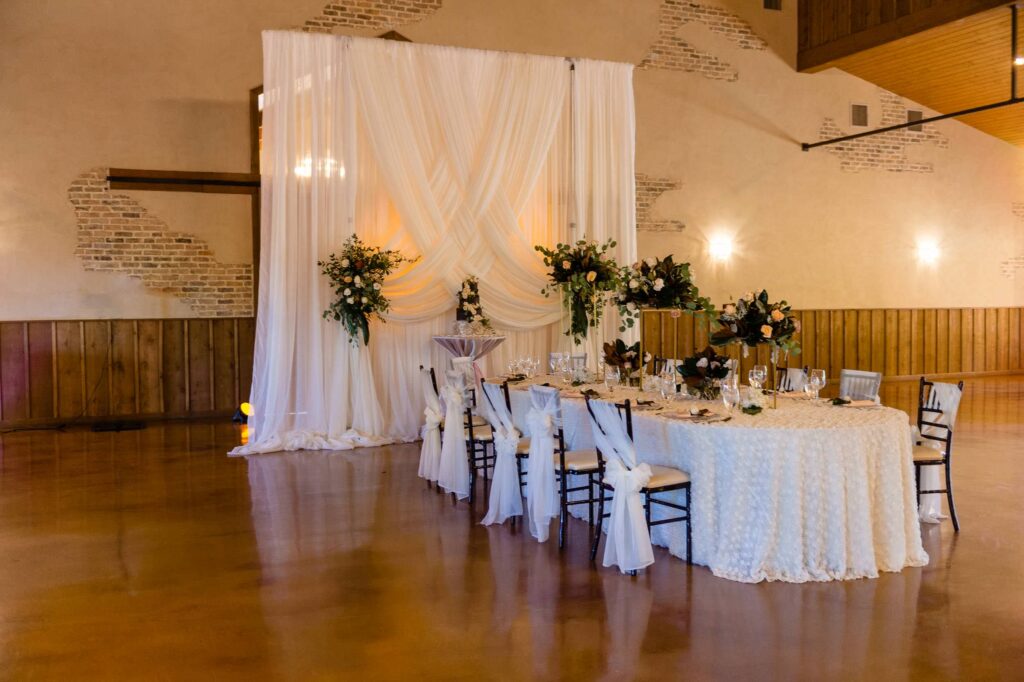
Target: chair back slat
{"type": "Point", "coordinates": [859, 384]}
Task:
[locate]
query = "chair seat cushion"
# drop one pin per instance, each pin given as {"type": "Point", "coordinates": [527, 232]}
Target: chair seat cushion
{"type": "Point", "coordinates": [481, 433]}
{"type": "Point", "coordinates": [923, 453]}
{"type": "Point", "coordinates": [578, 460]}
{"type": "Point", "coordinates": [523, 449]}
{"type": "Point", "coordinates": [662, 477]}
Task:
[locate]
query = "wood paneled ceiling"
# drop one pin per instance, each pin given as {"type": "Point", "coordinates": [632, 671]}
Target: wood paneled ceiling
{"type": "Point", "coordinates": [959, 65]}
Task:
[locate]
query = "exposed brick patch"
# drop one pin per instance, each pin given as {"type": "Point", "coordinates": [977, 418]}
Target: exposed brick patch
{"type": "Point", "coordinates": [117, 234]}
{"type": "Point", "coordinates": [371, 14]}
{"type": "Point", "coordinates": [887, 151]}
{"type": "Point", "coordinates": [648, 190]}
{"type": "Point", "coordinates": [672, 53]}
{"type": "Point", "coordinates": [1010, 266]}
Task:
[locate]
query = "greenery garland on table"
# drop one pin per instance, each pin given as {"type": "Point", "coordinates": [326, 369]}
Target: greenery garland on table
{"type": "Point", "coordinates": [584, 273]}
{"type": "Point", "coordinates": [659, 283]}
{"type": "Point", "coordinates": [701, 371]}
{"type": "Point", "coordinates": [470, 309]}
{"type": "Point", "coordinates": [753, 321]}
{"type": "Point", "coordinates": [357, 276]}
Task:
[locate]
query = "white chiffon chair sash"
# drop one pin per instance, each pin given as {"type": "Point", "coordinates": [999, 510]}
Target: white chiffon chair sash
{"type": "Point", "coordinates": [430, 450]}
{"type": "Point", "coordinates": [541, 496]}
{"type": "Point", "coordinates": [505, 499]}
{"type": "Point", "coordinates": [860, 385]}
{"type": "Point", "coordinates": [945, 397]}
{"type": "Point", "coordinates": [453, 471]}
{"type": "Point", "coordinates": [628, 545]}
{"type": "Point", "coordinates": [794, 379]}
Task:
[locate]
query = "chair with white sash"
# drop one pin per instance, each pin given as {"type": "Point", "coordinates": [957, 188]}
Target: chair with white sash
{"type": "Point", "coordinates": [629, 543]}
{"type": "Point", "coordinates": [505, 500]}
{"type": "Point", "coordinates": [791, 379]}
{"type": "Point", "coordinates": [477, 420]}
{"type": "Point", "coordinates": [858, 384]}
{"type": "Point", "coordinates": [550, 464]}
{"type": "Point", "coordinates": [468, 441]}
{"type": "Point", "coordinates": [578, 360]}
{"type": "Point", "coordinates": [433, 417]}
{"type": "Point", "coordinates": [936, 414]}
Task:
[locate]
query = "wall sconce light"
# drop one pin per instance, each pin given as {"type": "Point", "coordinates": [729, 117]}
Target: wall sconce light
{"type": "Point", "coordinates": [720, 247]}
{"type": "Point", "coordinates": [928, 251]}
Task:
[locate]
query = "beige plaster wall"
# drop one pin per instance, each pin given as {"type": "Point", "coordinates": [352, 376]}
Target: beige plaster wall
{"type": "Point", "coordinates": [164, 85]}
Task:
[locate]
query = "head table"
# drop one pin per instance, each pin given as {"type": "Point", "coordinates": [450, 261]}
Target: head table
{"type": "Point", "coordinates": [808, 491]}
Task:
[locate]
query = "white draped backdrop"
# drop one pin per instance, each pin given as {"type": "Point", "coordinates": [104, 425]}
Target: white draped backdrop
{"type": "Point", "coordinates": [464, 158]}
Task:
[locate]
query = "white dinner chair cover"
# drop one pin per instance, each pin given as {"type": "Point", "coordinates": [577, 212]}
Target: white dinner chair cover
{"type": "Point", "coordinates": [453, 471]}
{"type": "Point", "coordinates": [793, 379]}
{"type": "Point", "coordinates": [945, 397]}
{"type": "Point", "coordinates": [541, 496]}
{"type": "Point", "coordinates": [859, 385]}
{"type": "Point", "coordinates": [430, 450]}
{"type": "Point", "coordinates": [504, 500]}
{"type": "Point", "coordinates": [628, 545]}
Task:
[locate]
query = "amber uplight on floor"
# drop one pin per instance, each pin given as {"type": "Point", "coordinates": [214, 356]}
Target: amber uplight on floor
{"type": "Point", "coordinates": [152, 555]}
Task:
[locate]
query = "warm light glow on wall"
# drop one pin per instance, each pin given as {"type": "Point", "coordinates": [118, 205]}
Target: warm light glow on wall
{"type": "Point", "coordinates": [720, 247]}
{"type": "Point", "coordinates": [928, 251]}
{"type": "Point", "coordinates": [328, 166]}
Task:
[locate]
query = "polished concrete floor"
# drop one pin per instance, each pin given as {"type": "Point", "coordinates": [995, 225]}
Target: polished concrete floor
{"type": "Point", "coordinates": [151, 555]}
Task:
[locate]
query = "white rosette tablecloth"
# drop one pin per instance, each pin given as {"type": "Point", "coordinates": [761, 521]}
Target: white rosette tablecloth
{"type": "Point", "coordinates": [806, 492]}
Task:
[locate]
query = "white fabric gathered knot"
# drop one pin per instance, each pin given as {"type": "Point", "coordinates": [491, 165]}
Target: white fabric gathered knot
{"type": "Point", "coordinates": [453, 471]}
{"type": "Point", "coordinates": [541, 496]}
{"type": "Point", "coordinates": [629, 541]}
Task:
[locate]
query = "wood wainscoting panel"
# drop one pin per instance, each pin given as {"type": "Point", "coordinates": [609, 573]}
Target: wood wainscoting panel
{"type": "Point", "coordinates": [900, 343]}
{"type": "Point", "coordinates": [91, 370]}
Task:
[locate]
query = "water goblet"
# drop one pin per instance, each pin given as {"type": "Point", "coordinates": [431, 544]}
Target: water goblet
{"type": "Point", "coordinates": [730, 397]}
{"type": "Point", "coordinates": [817, 380]}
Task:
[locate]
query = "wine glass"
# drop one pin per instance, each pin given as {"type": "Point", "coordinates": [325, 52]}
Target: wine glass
{"type": "Point", "coordinates": [611, 377]}
{"type": "Point", "coordinates": [759, 374]}
{"type": "Point", "coordinates": [553, 361]}
{"type": "Point", "coordinates": [817, 380]}
{"type": "Point", "coordinates": [730, 396]}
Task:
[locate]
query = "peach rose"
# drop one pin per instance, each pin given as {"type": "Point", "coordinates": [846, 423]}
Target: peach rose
{"type": "Point", "coordinates": [777, 315]}
{"type": "Point", "coordinates": [766, 330]}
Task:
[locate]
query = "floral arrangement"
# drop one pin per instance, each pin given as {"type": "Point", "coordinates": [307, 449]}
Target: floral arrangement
{"type": "Point", "coordinates": [626, 358]}
{"type": "Point", "coordinates": [585, 274]}
{"type": "Point", "coordinates": [659, 283]}
{"type": "Point", "coordinates": [469, 309]}
{"type": "Point", "coordinates": [357, 276]}
{"type": "Point", "coordinates": [753, 321]}
{"type": "Point", "coordinates": [700, 372]}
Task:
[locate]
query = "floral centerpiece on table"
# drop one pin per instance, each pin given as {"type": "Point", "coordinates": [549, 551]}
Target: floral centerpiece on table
{"type": "Point", "coordinates": [357, 275]}
{"type": "Point", "coordinates": [584, 273]}
{"type": "Point", "coordinates": [753, 321]}
{"type": "Point", "coordinates": [470, 309]}
{"type": "Point", "coordinates": [659, 283]}
{"type": "Point", "coordinates": [702, 371]}
{"type": "Point", "coordinates": [626, 358]}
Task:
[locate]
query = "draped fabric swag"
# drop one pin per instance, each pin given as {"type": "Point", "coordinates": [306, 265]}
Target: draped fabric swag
{"type": "Point", "coordinates": [464, 158]}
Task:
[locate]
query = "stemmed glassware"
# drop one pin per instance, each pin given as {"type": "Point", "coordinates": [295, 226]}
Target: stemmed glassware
{"type": "Point", "coordinates": [612, 376]}
{"type": "Point", "coordinates": [730, 396]}
{"type": "Point", "coordinates": [758, 375]}
{"type": "Point", "coordinates": [816, 381]}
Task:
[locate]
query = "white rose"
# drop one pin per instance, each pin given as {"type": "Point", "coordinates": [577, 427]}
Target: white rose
{"type": "Point", "coordinates": [633, 284]}
{"type": "Point", "coordinates": [364, 299]}
{"type": "Point", "coordinates": [350, 300]}
{"type": "Point", "coordinates": [566, 264]}
{"type": "Point", "coordinates": [631, 307]}
{"type": "Point", "coordinates": [651, 261]}
{"type": "Point", "coordinates": [729, 309]}
{"type": "Point", "coordinates": [714, 364]}
{"type": "Point", "coordinates": [376, 286]}
{"type": "Point", "coordinates": [659, 284]}
{"type": "Point", "coordinates": [358, 280]}
{"type": "Point", "coordinates": [348, 292]}
{"type": "Point", "coordinates": [344, 262]}
{"type": "Point", "coordinates": [703, 362]}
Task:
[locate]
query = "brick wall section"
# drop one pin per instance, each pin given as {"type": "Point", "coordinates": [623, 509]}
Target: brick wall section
{"type": "Point", "coordinates": [674, 54]}
{"type": "Point", "coordinates": [371, 14]}
{"type": "Point", "coordinates": [648, 189]}
{"type": "Point", "coordinates": [118, 235]}
{"type": "Point", "coordinates": [1010, 266]}
{"type": "Point", "coordinates": [887, 151]}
